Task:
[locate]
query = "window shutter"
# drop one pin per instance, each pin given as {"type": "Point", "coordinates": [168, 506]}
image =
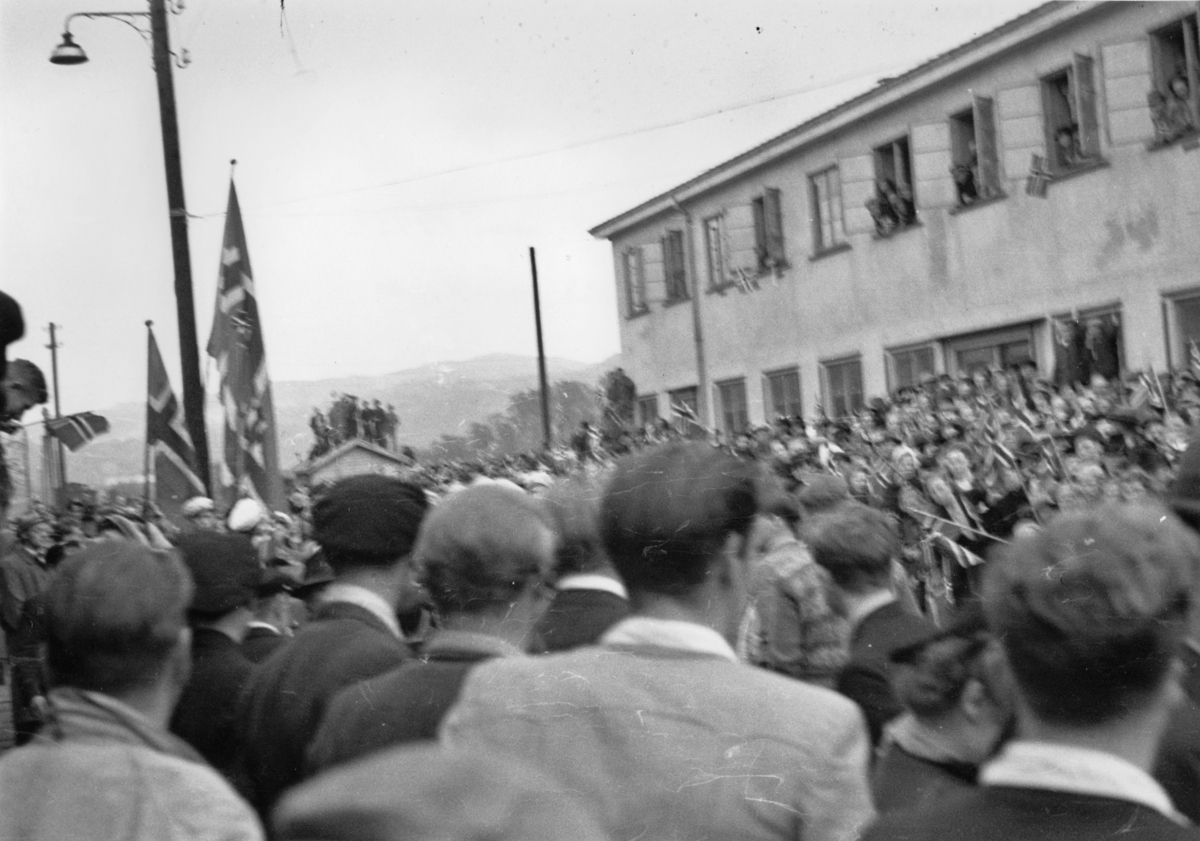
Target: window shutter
{"type": "Point", "coordinates": [654, 273]}
{"type": "Point", "coordinates": [1085, 104]}
{"type": "Point", "coordinates": [741, 241]}
{"type": "Point", "coordinates": [858, 185]}
{"type": "Point", "coordinates": [984, 114]}
{"type": "Point", "coordinates": [932, 160]}
{"type": "Point", "coordinates": [773, 218]}
{"type": "Point", "coordinates": [1020, 128]}
{"type": "Point", "coordinates": [1191, 53]}
{"type": "Point", "coordinates": [1126, 82]}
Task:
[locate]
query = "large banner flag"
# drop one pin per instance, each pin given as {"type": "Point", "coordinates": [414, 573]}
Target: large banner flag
{"type": "Point", "coordinates": [77, 430]}
{"type": "Point", "coordinates": [172, 455]}
{"type": "Point", "coordinates": [250, 460]}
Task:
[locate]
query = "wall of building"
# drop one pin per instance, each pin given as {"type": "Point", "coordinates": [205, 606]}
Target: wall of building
{"type": "Point", "coordinates": [1123, 232]}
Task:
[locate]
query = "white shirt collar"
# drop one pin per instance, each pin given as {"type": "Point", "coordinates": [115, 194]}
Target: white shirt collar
{"type": "Point", "coordinates": [668, 633]}
{"type": "Point", "coordinates": [373, 603]}
{"type": "Point", "coordinates": [254, 623]}
{"type": "Point", "coordinates": [592, 581]}
{"type": "Point", "coordinates": [1055, 767]}
{"type": "Point", "coordinates": [859, 610]}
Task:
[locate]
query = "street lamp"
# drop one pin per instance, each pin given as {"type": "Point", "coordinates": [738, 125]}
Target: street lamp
{"type": "Point", "coordinates": [67, 53]}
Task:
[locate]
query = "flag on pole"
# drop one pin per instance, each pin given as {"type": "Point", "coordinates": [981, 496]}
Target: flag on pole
{"type": "Point", "coordinates": [1194, 358]}
{"type": "Point", "coordinates": [172, 455]}
{"type": "Point", "coordinates": [1038, 179]}
{"type": "Point", "coordinates": [250, 460]}
{"type": "Point", "coordinates": [76, 430]}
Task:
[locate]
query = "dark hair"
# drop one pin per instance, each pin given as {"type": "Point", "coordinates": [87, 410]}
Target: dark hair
{"type": "Point", "coordinates": [30, 377]}
{"type": "Point", "coordinates": [931, 681]}
{"type": "Point", "coordinates": [667, 511]}
{"type": "Point", "coordinates": [855, 543]}
{"type": "Point", "coordinates": [114, 613]}
{"type": "Point", "coordinates": [1092, 609]}
{"type": "Point", "coordinates": [482, 546]}
{"type": "Point", "coordinates": [574, 508]}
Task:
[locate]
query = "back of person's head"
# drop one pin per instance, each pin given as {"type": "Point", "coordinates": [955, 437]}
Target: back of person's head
{"type": "Point", "coordinates": [368, 521]}
{"type": "Point", "coordinates": [821, 493]}
{"type": "Point", "coordinates": [855, 543]}
{"type": "Point", "coordinates": [481, 547]}
{"type": "Point", "coordinates": [574, 508]}
{"type": "Point", "coordinates": [1091, 610]}
{"type": "Point", "coordinates": [115, 614]}
{"type": "Point", "coordinates": [667, 513]}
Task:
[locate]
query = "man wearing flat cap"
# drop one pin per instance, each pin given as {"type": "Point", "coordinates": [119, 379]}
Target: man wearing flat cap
{"type": "Point", "coordinates": [366, 527]}
{"type": "Point", "coordinates": [226, 574]}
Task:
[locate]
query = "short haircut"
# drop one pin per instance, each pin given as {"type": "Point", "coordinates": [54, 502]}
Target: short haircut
{"type": "Point", "coordinates": [30, 378]}
{"type": "Point", "coordinates": [114, 613]}
{"type": "Point", "coordinates": [667, 512]}
{"type": "Point", "coordinates": [931, 681]}
{"type": "Point", "coordinates": [480, 547]}
{"type": "Point", "coordinates": [574, 508]}
{"type": "Point", "coordinates": [855, 543]}
{"type": "Point", "coordinates": [1092, 609]}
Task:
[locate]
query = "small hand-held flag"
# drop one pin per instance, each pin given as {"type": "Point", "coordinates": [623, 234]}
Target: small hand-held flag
{"type": "Point", "coordinates": [169, 449]}
{"type": "Point", "coordinates": [1038, 179]}
{"type": "Point", "coordinates": [250, 461]}
{"type": "Point", "coordinates": [76, 430]}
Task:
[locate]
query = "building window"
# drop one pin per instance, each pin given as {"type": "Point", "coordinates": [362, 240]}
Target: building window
{"type": "Point", "coordinates": [1187, 331]}
{"type": "Point", "coordinates": [976, 165]}
{"type": "Point", "coordinates": [910, 365]}
{"type": "Point", "coordinates": [635, 281]}
{"type": "Point", "coordinates": [768, 231]}
{"type": "Point", "coordinates": [782, 394]}
{"type": "Point", "coordinates": [1175, 100]}
{"type": "Point", "coordinates": [893, 206]}
{"type": "Point", "coordinates": [1085, 344]}
{"type": "Point", "coordinates": [826, 190]}
{"type": "Point", "coordinates": [995, 349]}
{"type": "Point", "coordinates": [1069, 117]}
{"type": "Point", "coordinates": [734, 415]}
{"type": "Point", "coordinates": [683, 408]}
{"type": "Point", "coordinates": [647, 410]}
{"type": "Point", "coordinates": [842, 387]}
{"type": "Point", "coordinates": [676, 271]}
{"type": "Point", "coordinates": [714, 249]}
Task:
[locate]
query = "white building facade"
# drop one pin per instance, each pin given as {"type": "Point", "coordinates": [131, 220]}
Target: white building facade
{"type": "Point", "coordinates": [765, 287]}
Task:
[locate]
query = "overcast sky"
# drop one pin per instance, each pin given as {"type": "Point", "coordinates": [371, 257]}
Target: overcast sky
{"type": "Point", "coordinates": [395, 161]}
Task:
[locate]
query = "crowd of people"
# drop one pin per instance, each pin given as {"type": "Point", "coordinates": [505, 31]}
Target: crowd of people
{"type": "Point", "coordinates": [966, 611]}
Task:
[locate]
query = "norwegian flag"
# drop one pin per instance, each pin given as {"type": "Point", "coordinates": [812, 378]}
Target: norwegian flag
{"type": "Point", "coordinates": [250, 461]}
{"type": "Point", "coordinates": [1038, 179]}
{"type": "Point", "coordinates": [172, 454]}
{"type": "Point", "coordinates": [77, 430]}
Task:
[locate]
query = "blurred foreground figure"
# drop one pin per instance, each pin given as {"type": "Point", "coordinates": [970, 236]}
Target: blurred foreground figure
{"type": "Point", "coordinates": [659, 726]}
{"type": "Point", "coordinates": [104, 765]}
{"type": "Point", "coordinates": [482, 555]}
{"type": "Point", "coordinates": [422, 793]}
{"type": "Point", "coordinates": [1091, 613]}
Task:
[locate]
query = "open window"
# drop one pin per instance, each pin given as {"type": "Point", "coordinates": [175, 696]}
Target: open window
{"type": "Point", "coordinates": [1175, 99]}
{"type": "Point", "coordinates": [825, 188]}
{"type": "Point", "coordinates": [1086, 343]}
{"type": "Point", "coordinates": [731, 395]}
{"type": "Point", "coordinates": [675, 267]}
{"type": "Point", "coordinates": [1069, 117]}
{"type": "Point", "coordinates": [975, 155]}
{"type": "Point", "coordinates": [893, 206]}
{"type": "Point", "coordinates": [768, 231]}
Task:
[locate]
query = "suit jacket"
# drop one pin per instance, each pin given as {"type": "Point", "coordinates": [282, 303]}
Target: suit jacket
{"type": "Point", "coordinates": [578, 617]}
{"type": "Point", "coordinates": [206, 715]}
{"type": "Point", "coordinates": [260, 643]}
{"type": "Point", "coordinates": [1002, 813]}
{"type": "Point", "coordinates": [673, 743]}
{"type": "Point", "coordinates": [902, 780]}
{"type": "Point", "coordinates": [406, 704]}
{"type": "Point", "coordinates": [1178, 764]}
{"type": "Point", "coordinates": [288, 694]}
{"type": "Point", "coordinates": [866, 677]}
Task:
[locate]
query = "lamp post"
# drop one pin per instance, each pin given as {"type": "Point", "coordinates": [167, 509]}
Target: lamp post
{"type": "Point", "coordinates": [68, 52]}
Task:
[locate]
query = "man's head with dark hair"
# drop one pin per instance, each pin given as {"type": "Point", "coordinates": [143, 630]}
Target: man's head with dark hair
{"type": "Point", "coordinates": [481, 548]}
{"type": "Point", "coordinates": [116, 616]}
{"type": "Point", "coordinates": [1091, 611]}
{"type": "Point", "coordinates": [669, 512]}
{"type": "Point", "coordinates": [856, 544]}
{"type": "Point", "coordinates": [24, 387]}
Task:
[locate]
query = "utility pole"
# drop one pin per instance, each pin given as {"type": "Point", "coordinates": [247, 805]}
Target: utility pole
{"type": "Point", "coordinates": [62, 462]}
{"type": "Point", "coordinates": [545, 389]}
{"type": "Point", "coordinates": [189, 352]}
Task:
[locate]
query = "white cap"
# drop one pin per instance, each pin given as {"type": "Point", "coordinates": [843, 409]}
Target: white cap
{"type": "Point", "coordinates": [197, 505]}
{"type": "Point", "coordinates": [246, 514]}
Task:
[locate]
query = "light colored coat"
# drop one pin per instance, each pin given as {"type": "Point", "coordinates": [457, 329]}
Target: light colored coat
{"type": "Point", "coordinates": [675, 743]}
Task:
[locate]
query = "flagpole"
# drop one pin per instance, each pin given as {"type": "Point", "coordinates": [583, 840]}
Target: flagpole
{"type": "Point", "coordinates": [62, 461]}
{"type": "Point", "coordinates": [146, 438]}
{"type": "Point", "coordinates": [537, 317]}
